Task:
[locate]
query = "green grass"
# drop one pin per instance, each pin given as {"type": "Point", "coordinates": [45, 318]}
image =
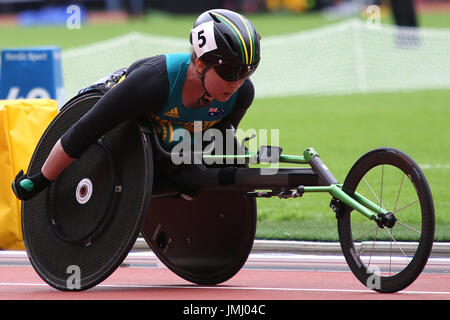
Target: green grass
{"type": "Point", "coordinates": [342, 128]}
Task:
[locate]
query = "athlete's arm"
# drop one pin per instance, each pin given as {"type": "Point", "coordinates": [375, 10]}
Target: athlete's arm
{"type": "Point", "coordinates": [144, 90]}
{"type": "Point", "coordinates": [56, 162]}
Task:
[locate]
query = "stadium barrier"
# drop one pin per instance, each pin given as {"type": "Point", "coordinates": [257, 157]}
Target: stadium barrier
{"type": "Point", "coordinates": [22, 123]}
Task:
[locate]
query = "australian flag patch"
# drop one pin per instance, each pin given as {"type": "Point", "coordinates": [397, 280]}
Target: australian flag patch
{"type": "Point", "coordinates": [216, 111]}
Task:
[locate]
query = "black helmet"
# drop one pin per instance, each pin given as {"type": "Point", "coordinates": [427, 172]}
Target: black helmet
{"type": "Point", "coordinates": [227, 41]}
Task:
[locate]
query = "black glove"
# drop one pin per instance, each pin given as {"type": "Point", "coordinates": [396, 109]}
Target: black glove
{"type": "Point", "coordinates": [26, 187]}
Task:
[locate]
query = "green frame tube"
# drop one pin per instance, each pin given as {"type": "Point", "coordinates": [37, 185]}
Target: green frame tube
{"type": "Point", "coordinates": [358, 202]}
{"type": "Point", "coordinates": [293, 159]}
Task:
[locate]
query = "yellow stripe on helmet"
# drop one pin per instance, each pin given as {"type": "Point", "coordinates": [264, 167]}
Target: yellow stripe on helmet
{"type": "Point", "coordinates": [249, 37]}
{"type": "Point", "coordinates": [237, 31]}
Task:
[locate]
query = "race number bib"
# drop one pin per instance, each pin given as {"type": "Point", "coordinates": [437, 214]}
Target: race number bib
{"type": "Point", "coordinates": [203, 38]}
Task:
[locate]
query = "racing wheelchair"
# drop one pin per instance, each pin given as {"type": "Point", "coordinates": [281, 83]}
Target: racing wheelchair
{"type": "Point", "coordinates": [200, 220]}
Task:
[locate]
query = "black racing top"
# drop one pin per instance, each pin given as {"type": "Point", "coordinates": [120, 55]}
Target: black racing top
{"type": "Point", "coordinates": [144, 91]}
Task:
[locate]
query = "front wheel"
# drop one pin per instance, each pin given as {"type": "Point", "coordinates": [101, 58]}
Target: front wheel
{"type": "Point", "coordinates": [387, 256]}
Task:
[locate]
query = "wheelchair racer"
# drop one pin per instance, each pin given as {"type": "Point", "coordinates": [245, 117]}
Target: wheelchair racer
{"type": "Point", "coordinates": [210, 84]}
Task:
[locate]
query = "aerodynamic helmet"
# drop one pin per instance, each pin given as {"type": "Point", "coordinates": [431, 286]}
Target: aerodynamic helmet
{"type": "Point", "coordinates": [227, 41]}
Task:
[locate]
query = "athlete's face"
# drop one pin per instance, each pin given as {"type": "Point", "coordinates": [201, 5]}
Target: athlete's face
{"type": "Point", "coordinates": [220, 89]}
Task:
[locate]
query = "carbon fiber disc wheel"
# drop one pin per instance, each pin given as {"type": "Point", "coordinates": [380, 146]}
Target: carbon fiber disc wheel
{"type": "Point", "coordinates": [79, 230]}
{"type": "Point", "coordinates": [205, 240]}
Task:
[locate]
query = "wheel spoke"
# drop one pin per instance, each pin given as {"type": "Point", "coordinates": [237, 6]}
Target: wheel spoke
{"type": "Point", "coordinates": [398, 246]}
{"type": "Point", "coordinates": [373, 193]}
{"type": "Point", "coordinates": [381, 191]}
{"type": "Point", "coordinates": [408, 205]}
{"type": "Point", "coordinates": [390, 256]}
{"type": "Point", "coordinates": [408, 227]}
{"type": "Point", "coordinates": [365, 233]}
{"type": "Point", "coordinates": [398, 194]}
{"type": "Point", "coordinates": [373, 246]}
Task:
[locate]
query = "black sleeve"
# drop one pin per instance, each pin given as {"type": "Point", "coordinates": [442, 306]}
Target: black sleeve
{"type": "Point", "coordinates": [143, 91]}
{"type": "Point", "coordinates": [244, 100]}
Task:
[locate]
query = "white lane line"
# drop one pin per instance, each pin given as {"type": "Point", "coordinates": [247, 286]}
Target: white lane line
{"type": "Point", "coordinates": [194, 287]}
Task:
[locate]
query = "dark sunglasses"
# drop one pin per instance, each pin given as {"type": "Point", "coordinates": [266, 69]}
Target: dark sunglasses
{"type": "Point", "coordinates": [234, 73]}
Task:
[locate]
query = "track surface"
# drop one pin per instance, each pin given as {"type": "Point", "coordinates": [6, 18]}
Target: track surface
{"type": "Point", "coordinates": [305, 278]}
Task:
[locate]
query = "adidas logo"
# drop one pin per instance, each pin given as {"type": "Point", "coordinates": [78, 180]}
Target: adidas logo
{"type": "Point", "coordinates": [173, 113]}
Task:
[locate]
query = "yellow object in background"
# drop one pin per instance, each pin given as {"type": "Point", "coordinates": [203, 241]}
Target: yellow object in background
{"type": "Point", "coordinates": [22, 123]}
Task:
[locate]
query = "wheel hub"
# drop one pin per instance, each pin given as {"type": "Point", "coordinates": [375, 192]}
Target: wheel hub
{"type": "Point", "coordinates": [388, 220]}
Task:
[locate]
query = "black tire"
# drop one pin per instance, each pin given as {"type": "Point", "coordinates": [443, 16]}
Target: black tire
{"type": "Point", "coordinates": [404, 191]}
{"type": "Point", "coordinates": [88, 236]}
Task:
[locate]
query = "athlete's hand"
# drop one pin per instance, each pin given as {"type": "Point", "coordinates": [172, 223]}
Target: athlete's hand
{"type": "Point", "coordinates": [26, 187]}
